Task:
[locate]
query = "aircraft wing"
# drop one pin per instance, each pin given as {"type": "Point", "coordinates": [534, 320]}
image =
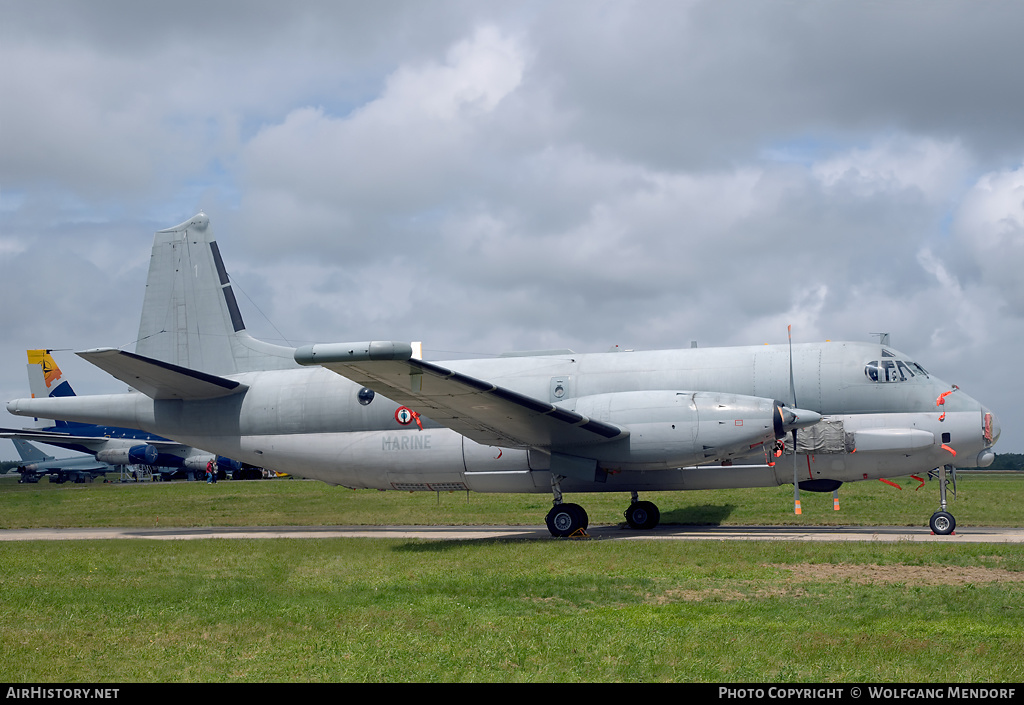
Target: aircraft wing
{"type": "Point", "coordinates": [477, 409]}
{"type": "Point", "coordinates": [161, 380]}
{"type": "Point", "coordinates": [58, 438]}
{"type": "Point", "coordinates": [80, 464]}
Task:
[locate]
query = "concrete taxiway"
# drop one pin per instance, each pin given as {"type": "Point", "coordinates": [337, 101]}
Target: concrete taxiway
{"type": "Point", "coordinates": [882, 534]}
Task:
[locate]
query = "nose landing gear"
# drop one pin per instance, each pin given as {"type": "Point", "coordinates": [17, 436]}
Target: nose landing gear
{"type": "Point", "coordinates": [942, 522]}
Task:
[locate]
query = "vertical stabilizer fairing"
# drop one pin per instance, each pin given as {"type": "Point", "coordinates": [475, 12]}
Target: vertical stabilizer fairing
{"type": "Point", "coordinates": [190, 316]}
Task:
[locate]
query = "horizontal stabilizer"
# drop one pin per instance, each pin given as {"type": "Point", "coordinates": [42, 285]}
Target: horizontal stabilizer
{"type": "Point", "coordinates": [161, 380]}
{"type": "Point", "coordinates": [479, 410]}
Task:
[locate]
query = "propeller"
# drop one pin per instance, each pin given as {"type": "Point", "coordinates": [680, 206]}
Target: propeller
{"type": "Point", "coordinates": [790, 418]}
{"type": "Point", "coordinates": [802, 419]}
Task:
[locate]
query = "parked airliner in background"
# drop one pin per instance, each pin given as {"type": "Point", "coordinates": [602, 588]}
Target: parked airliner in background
{"type": "Point", "coordinates": [375, 415]}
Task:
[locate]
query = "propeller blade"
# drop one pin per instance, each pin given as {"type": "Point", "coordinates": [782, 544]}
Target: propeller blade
{"type": "Point", "coordinates": [792, 393]}
{"type": "Point", "coordinates": [796, 480]}
{"type": "Point", "coordinates": [792, 386]}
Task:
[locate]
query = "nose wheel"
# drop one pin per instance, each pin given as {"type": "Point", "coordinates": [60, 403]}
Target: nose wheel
{"type": "Point", "coordinates": [942, 522]}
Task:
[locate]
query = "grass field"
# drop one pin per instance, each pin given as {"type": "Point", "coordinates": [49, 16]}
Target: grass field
{"type": "Point", "coordinates": [982, 500]}
{"type": "Point", "coordinates": [506, 611]}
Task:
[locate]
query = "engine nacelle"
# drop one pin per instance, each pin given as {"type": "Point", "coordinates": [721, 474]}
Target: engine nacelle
{"type": "Point", "coordinates": [228, 464]}
{"type": "Point", "coordinates": [671, 429]}
{"type": "Point", "coordinates": [136, 455]}
{"type": "Point", "coordinates": [198, 462]}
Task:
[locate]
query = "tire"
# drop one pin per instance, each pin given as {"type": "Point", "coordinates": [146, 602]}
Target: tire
{"type": "Point", "coordinates": [582, 514]}
{"type": "Point", "coordinates": [942, 523]}
{"type": "Point", "coordinates": [566, 519]}
{"type": "Point", "coordinates": [642, 515]}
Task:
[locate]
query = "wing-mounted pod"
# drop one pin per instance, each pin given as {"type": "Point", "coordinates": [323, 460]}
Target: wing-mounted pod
{"type": "Point", "coordinates": [199, 461]}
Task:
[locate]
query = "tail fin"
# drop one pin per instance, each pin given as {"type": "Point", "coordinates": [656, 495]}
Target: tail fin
{"type": "Point", "coordinates": [190, 316]}
{"type": "Point", "coordinates": [46, 380]}
{"type": "Point", "coordinates": [28, 452]}
{"type": "Point", "coordinates": [44, 377]}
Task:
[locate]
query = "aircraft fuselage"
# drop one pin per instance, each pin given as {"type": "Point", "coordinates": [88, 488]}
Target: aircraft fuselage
{"type": "Point", "coordinates": [311, 422]}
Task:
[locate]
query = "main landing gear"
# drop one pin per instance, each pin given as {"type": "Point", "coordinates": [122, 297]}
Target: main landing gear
{"type": "Point", "coordinates": [567, 519]}
{"type": "Point", "coordinates": [641, 515]}
{"type": "Point", "coordinates": [942, 522]}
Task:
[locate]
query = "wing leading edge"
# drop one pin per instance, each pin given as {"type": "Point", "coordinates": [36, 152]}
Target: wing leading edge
{"type": "Point", "coordinates": [484, 412]}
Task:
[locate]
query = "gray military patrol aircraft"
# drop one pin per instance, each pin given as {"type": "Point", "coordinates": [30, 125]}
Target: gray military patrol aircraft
{"type": "Point", "coordinates": [35, 463]}
{"type": "Point", "coordinates": [376, 415]}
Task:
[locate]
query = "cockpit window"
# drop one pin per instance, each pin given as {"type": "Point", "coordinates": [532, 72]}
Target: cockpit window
{"type": "Point", "coordinates": [893, 370]}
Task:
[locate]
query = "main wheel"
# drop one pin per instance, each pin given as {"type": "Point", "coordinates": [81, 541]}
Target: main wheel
{"type": "Point", "coordinates": [642, 515]}
{"type": "Point", "coordinates": [566, 519]}
{"type": "Point", "coordinates": [582, 513]}
{"type": "Point", "coordinates": [942, 523]}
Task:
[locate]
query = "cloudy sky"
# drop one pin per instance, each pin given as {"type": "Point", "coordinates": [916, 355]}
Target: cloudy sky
{"type": "Point", "coordinates": [491, 176]}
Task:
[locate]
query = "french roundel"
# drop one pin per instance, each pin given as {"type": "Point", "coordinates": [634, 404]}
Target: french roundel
{"type": "Point", "coordinates": [403, 415]}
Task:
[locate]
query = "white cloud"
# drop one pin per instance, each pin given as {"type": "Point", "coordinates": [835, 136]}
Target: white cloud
{"type": "Point", "coordinates": [928, 166]}
{"type": "Point", "coordinates": [989, 237]}
{"type": "Point", "coordinates": [478, 73]}
{"type": "Point", "coordinates": [409, 148]}
{"type": "Point", "coordinates": [992, 215]}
